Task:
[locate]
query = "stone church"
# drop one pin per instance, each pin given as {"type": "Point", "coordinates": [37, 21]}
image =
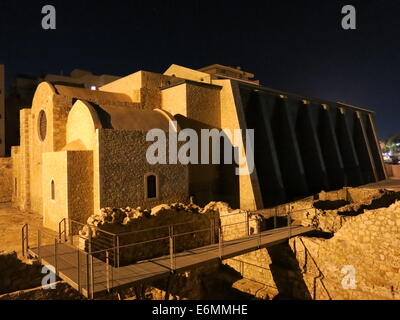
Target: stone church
{"type": "Point", "coordinates": [82, 150]}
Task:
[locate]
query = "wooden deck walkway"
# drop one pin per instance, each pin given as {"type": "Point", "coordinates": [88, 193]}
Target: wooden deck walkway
{"type": "Point", "coordinates": [69, 258]}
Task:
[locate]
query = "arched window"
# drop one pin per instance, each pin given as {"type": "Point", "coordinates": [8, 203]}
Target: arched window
{"type": "Point", "coordinates": [53, 191]}
{"type": "Point", "coordinates": [151, 186]}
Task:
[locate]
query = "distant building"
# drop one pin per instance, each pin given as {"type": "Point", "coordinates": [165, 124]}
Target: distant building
{"type": "Point", "coordinates": [218, 71]}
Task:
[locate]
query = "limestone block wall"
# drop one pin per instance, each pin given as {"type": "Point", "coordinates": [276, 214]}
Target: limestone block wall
{"type": "Point", "coordinates": [123, 167]}
{"type": "Point", "coordinates": [142, 87]}
{"type": "Point", "coordinates": [80, 185]}
{"type": "Point", "coordinates": [291, 272]}
{"type": "Point", "coordinates": [128, 85]}
{"type": "Point", "coordinates": [197, 106]}
{"type": "Point", "coordinates": [204, 104]}
{"type": "Point", "coordinates": [150, 94]}
{"type": "Point", "coordinates": [21, 163]}
{"type": "Point", "coordinates": [16, 176]}
{"type": "Point", "coordinates": [71, 174]}
{"type": "Point", "coordinates": [328, 211]}
{"type": "Point", "coordinates": [139, 225]}
{"type": "Point", "coordinates": [55, 170]}
{"type": "Point", "coordinates": [369, 244]}
{"type": "Point", "coordinates": [236, 224]}
{"type": "Point", "coordinates": [128, 222]}
{"type": "Point", "coordinates": [43, 100]}
{"type": "Point", "coordinates": [197, 101]}
{"type": "Point", "coordinates": [6, 180]}
{"type": "Point", "coordinates": [273, 268]}
{"type": "Point", "coordinates": [342, 206]}
{"type": "Point", "coordinates": [56, 102]}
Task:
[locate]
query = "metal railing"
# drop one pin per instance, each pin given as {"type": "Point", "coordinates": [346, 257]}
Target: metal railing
{"type": "Point", "coordinates": [45, 240]}
{"type": "Point", "coordinates": [25, 240]}
{"type": "Point", "coordinates": [103, 240]}
{"type": "Point", "coordinates": [107, 247]}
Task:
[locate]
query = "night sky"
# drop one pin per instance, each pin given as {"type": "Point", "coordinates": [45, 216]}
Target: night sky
{"type": "Point", "coordinates": [296, 46]}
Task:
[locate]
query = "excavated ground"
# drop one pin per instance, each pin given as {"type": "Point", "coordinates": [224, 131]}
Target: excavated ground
{"type": "Point", "coordinates": [20, 279]}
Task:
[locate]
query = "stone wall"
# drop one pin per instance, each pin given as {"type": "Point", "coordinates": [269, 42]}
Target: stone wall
{"type": "Point", "coordinates": [6, 181]}
{"type": "Point", "coordinates": [274, 271]}
{"type": "Point", "coordinates": [331, 215]}
{"type": "Point", "coordinates": [123, 167]}
{"type": "Point", "coordinates": [236, 224]}
{"type": "Point", "coordinates": [127, 223]}
{"type": "Point", "coordinates": [71, 173]}
{"type": "Point", "coordinates": [310, 268]}
{"type": "Point", "coordinates": [21, 164]}
{"type": "Point", "coordinates": [369, 244]}
{"type": "Point", "coordinates": [55, 169]}
{"type": "Point", "coordinates": [138, 225]}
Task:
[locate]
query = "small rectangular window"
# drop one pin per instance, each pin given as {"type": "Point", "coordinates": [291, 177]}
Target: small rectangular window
{"type": "Point", "coordinates": [151, 182]}
{"type": "Point", "coordinates": [53, 191]}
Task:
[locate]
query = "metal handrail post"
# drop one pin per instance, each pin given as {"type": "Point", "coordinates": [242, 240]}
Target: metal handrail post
{"type": "Point", "coordinates": [65, 230]}
{"type": "Point", "coordinates": [79, 272]}
{"type": "Point", "coordinates": [89, 240]}
{"type": "Point", "coordinates": [91, 277]}
{"type": "Point", "coordinates": [118, 253]}
{"type": "Point", "coordinates": [212, 226]}
{"type": "Point", "coordinates": [112, 272]}
{"type": "Point", "coordinates": [108, 271]}
{"type": "Point", "coordinates": [87, 275]}
{"type": "Point", "coordinates": [39, 243]}
{"type": "Point", "coordinates": [220, 244]}
{"type": "Point", "coordinates": [275, 218]}
{"type": "Point", "coordinates": [114, 251]}
{"type": "Point", "coordinates": [171, 247]}
{"type": "Point", "coordinates": [55, 256]}
{"type": "Point", "coordinates": [27, 240]}
{"type": "Point", "coordinates": [70, 232]}
{"type": "Point", "coordinates": [23, 241]}
{"type": "Point", "coordinates": [248, 224]}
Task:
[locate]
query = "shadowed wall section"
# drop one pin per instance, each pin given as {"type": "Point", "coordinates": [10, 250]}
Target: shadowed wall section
{"type": "Point", "coordinates": [305, 145]}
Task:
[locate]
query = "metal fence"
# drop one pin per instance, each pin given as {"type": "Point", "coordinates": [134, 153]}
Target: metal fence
{"type": "Point", "coordinates": [94, 254]}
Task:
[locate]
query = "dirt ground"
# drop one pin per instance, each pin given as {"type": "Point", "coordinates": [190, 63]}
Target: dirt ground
{"type": "Point", "coordinates": [11, 223]}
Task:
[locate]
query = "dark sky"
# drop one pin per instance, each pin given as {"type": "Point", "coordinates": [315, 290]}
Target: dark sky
{"type": "Point", "coordinates": [297, 46]}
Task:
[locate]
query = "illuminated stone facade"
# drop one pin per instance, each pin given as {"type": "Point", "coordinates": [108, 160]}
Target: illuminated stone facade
{"type": "Point", "coordinates": [82, 150]}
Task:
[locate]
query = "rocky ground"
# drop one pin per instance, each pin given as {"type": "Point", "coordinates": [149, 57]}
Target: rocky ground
{"type": "Point", "coordinates": [365, 222]}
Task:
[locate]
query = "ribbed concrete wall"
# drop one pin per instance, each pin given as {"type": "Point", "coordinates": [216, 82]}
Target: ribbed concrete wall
{"type": "Point", "coordinates": [305, 145]}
